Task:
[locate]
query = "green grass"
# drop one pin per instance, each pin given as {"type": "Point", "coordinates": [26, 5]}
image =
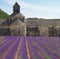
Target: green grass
{"type": "Point", "coordinates": [3, 14]}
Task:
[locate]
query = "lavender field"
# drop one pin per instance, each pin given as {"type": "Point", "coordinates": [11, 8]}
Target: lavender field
{"type": "Point", "coordinates": [17, 47]}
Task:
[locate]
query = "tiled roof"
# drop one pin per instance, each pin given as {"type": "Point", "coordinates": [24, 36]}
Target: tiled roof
{"type": "Point", "coordinates": [19, 15]}
{"type": "Point", "coordinates": [17, 23]}
{"type": "Point", "coordinates": [40, 22]}
{"type": "Point", "coordinates": [2, 20]}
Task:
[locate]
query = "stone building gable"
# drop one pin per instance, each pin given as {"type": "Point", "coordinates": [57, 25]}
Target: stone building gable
{"type": "Point", "coordinates": [17, 28]}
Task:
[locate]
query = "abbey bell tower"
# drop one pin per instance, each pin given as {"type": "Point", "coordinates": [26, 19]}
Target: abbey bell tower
{"type": "Point", "coordinates": [16, 13]}
{"type": "Point", "coordinates": [16, 8]}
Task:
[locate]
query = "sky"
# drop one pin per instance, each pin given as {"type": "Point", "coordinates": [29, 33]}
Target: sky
{"type": "Point", "coordinates": [34, 8]}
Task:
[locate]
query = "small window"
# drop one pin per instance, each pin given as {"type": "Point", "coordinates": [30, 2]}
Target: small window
{"type": "Point", "coordinates": [18, 32]}
{"type": "Point", "coordinates": [10, 20]}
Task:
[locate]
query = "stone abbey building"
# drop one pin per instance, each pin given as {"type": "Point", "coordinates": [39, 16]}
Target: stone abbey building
{"type": "Point", "coordinates": [18, 25]}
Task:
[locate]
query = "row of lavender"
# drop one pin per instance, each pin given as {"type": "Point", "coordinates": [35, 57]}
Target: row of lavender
{"type": "Point", "coordinates": [17, 47]}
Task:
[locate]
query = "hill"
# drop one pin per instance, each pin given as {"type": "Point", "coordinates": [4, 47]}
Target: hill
{"type": "Point", "coordinates": [3, 14]}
